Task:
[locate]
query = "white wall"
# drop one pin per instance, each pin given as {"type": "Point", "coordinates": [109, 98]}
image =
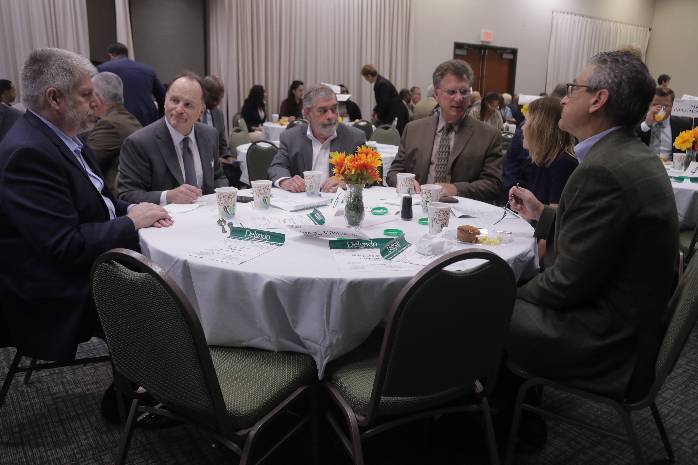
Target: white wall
{"type": "Point", "coordinates": [672, 47]}
{"type": "Point", "coordinates": [521, 24]}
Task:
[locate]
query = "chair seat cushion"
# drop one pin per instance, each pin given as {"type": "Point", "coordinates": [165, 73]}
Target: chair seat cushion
{"type": "Point", "coordinates": [353, 376]}
{"type": "Point", "coordinates": [254, 381]}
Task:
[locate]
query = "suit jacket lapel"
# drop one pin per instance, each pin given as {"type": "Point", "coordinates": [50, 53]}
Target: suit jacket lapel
{"type": "Point", "coordinates": [460, 140]}
{"type": "Point", "coordinates": [206, 160]}
{"type": "Point", "coordinates": [426, 146]}
{"type": "Point", "coordinates": [307, 151]}
{"type": "Point", "coordinates": [167, 151]}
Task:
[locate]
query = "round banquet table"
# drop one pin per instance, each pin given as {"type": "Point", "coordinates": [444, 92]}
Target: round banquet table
{"type": "Point", "coordinates": [686, 195]}
{"type": "Point", "coordinates": [272, 131]}
{"type": "Point", "coordinates": [297, 297]}
{"type": "Point", "coordinates": [387, 151]}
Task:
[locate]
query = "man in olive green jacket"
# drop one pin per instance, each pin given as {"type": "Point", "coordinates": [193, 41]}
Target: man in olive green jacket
{"type": "Point", "coordinates": [596, 315]}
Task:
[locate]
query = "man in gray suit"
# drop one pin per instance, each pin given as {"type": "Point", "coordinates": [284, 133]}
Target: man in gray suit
{"type": "Point", "coordinates": [307, 148]}
{"type": "Point", "coordinates": [175, 159]}
{"type": "Point", "coordinates": [596, 315]}
{"type": "Point", "coordinates": [448, 148]}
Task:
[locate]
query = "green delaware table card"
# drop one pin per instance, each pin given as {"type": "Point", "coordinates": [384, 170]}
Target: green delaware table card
{"type": "Point", "coordinates": [257, 235]}
{"type": "Point", "coordinates": [389, 248]}
{"type": "Point", "coordinates": [316, 217]}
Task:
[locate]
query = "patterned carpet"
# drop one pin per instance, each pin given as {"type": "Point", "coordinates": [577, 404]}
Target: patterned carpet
{"type": "Point", "coordinates": [55, 420]}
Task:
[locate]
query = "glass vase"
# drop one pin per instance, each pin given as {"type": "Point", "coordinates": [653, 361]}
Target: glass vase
{"type": "Point", "coordinates": [690, 156]}
{"type": "Point", "coordinates": [354, 205]}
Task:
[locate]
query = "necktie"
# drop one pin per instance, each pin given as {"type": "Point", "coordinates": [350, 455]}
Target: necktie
{"type": "Point", "coordinates": [444, 151]}
{"type": "Point", "coordinates": [188, 159]}
{"type": "Point", "coordinates": [656, 136]}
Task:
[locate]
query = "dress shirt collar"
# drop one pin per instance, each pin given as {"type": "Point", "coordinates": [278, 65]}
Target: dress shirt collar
{"type": "Point", "coordinates": [73, 143]}
{"type": "Point", "coordinates": [581, 150]}
{"type": "Point", "coordinates": [441, 123]}
{"type": "Point", "coordinates": [311, 136]}
{"type": "Point", "coordinates": [178, 136]}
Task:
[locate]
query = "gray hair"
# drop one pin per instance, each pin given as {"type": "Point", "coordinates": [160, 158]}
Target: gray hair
{"type": "Point", "coordinates": [108, 87]}
{"type": "Point", "coordinates": [628, 82]}
{"type": "Point", "coordinates": [51, 67]}
{"type": "Point", "coordinates": [458, 68]}
{"type": "Point", "coordinates": [315, 93]}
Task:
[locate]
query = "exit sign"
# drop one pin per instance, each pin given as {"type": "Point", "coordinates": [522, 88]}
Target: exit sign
{"type": "Point", "coordinates": [486, 35]}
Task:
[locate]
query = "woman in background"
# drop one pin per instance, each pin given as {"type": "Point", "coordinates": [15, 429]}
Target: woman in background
{"type": "Point", "coordinates": [292, 107]}
{"type": "Point", "coordinates": [488, 111]}
{"type": "Point", "coordinates": [254, 111]}
{"type": "Point", "coordinates": [551, 150]}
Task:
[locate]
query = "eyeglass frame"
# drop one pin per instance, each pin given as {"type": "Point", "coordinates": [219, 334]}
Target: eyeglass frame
{"type": "Point", "coordinates": [450, 93]}
{"type": "Point", "coordinates": [569, 87]}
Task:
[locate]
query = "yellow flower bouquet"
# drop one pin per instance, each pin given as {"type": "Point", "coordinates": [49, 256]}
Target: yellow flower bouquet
{"type": "Point", "coordinates": [357, 168]}
{"type": "Point", "coordinates": [687, 140]}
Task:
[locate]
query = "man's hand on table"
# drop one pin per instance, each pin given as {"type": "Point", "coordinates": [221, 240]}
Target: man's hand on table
{"type": "Point", "coordinates": [448, 189]}
{"type": "Point", "coordinates": [294, 184]}
{"type": "Point", "coordinates": [147, 214]}
{"type": "Point", "coordinates": [185, 193]}
{"type": "Point", "coordinates": [331, 184]}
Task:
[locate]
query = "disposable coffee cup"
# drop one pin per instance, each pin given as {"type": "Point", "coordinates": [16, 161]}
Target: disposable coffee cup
{"type": "Point", "coordinates": [679, 161]}
{"type": "Point", "coordinates": [261, 193]}
{"type": "Point", "coordinates": [430, 193]}
{"type": "Point", "coordinates": [226, 199]}
{"type": "Point", "coordinates": [438, 214]}
{"type": "Point", "coordinates": [405, 184]}
{"type": "Point", "coordinates": [312, 182]}
{"type": "Point", "coordinates": [274, 117]}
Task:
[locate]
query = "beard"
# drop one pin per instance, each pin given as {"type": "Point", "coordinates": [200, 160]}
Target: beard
{"type": "Point", "coordinates": [83, 122]}
{"type": "Point", "coordinates": [327, 129]}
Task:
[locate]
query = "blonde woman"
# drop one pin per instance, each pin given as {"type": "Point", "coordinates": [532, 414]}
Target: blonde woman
{"type": "Point", "coordinates": [551, 150]}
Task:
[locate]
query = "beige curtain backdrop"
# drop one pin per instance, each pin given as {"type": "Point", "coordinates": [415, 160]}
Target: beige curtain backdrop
{"type": "Point", "coordinates": [29, 24]}
{"type": "Point", "coordinates": [273, 42]}
{"type": "Point", "coordinates": [575, 38]}
{"type": "Point", "coordinates": [123, 26]}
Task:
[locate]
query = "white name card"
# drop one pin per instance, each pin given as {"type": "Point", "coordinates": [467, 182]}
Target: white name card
{"type": "Point", "coordinates": [524, 99]}
{"type": "Point", "coordinates": [687, 108]}
{"type": "Point", "coordinates": [692, 169]}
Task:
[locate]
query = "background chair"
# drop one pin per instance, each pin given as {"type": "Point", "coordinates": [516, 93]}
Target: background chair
{"type": "Point", "coordinates": [157, 342]}
{"type": "Point", "coordinates": [296, 122]}
{"type": "Point", "coordinates": [237, 137]}
{"type": "Point", "coordinates": [386, 134]}
{"type": "Point", "coordinates": [235, 121]}
{"type": "Point", "coordinates": [435, 356]}
{"type": "Point", "coordinates": [259, 157]}
{"type": "Point", "coordinates": [365, 126]}
{"type": "Point", "coordinates": [683, 307]}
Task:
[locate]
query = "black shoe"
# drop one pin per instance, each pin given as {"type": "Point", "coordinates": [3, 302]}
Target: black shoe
{"type": "Point", "coordinates": [152, 421]}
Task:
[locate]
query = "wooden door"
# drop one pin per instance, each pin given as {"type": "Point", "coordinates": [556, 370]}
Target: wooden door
{"type": "Point", "coordinates": [494, 68]}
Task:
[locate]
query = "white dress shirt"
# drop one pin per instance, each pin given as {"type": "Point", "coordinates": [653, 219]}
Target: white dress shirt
{"type": "Point", "coordinates": [660, 140]}
{"type": "Point", "coordinates": [321, 156]}
{"type": "Point", "coordinates": [177, 138]}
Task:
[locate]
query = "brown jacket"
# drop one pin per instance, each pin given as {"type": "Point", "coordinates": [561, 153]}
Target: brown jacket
{"type": "Point", "coordinates": [474, 164]}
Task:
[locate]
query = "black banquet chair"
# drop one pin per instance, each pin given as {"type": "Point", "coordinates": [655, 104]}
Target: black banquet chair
{"type": "Point", "coordinates": [365, 126]}
{"type": "Point", "coordinates": [435, 356]}
{"type": "Point", "coordinates": [157, 343]}
{"type": "Point", "coordinates": [259, 157]}
{"type": "Point", "coordinates": [296, 122]}
{"type": "Point", "coordinates": [386, 134]}
{"type": "Point", "coordinates": [683, 308]}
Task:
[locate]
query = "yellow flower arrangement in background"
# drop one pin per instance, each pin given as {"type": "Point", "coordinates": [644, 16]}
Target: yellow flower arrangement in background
{"type": "Point", "coordinates": [687, 140]}
{"type": "Point", "coordinates": [524, 110]}
{"type": "Point", "coordinates": [357, 168]}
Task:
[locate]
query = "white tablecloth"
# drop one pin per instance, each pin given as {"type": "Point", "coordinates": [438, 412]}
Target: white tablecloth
{"type": "Point", "coordinates": [686, 194]}
{"type": "Point", "coordinates": [388, 153]}
{"type": "Point", "coordinates": [272, 131]}
{"type": "Point", "coordinates": [296, 297]}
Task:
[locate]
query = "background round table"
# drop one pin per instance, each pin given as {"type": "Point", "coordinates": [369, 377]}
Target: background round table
{"type": "Point", "coordinates": [296, 297]}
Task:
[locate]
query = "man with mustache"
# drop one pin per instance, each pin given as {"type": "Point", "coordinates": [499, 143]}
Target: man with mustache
{"type": "Point", "coordinates": [56, 214]}
{"type": "Point", "coordinates": [449, 148]}
{"type": "Point", "coordinates": [306, 148]}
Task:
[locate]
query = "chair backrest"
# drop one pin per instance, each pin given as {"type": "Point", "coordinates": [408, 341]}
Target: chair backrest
{"type": "Point", "coordinates": [259, 157]}
{"type": "Point", "coordinates": [235, 122]}
{"type": "Point", "coordinates": [386, 134]}
{"type": "Point", "coordinates": [154, 335]}
{"type": "Point", "coordinates": [365, 126]}
{"type": "Point", "coordinates": [238, 136]}
{"type": "Point", "coordinates": [683, 308]}
{"type": "Point", "coordinates": [296, 122]}
{"type": "Point", "coordinates": [435, 345]}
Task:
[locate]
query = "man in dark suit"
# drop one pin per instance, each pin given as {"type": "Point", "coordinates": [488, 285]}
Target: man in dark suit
{"type": "Point", "coordinates": [388, 103]}
{"type": "Point", "coordinates": [141, 84]}
{"type": "Point", "coordinates": [307, 148]}
{"type": "Point", "coordinates": [659, 128]}
{"type": "Point", "coordinates": [596, 316]}
{"type": "Point", "coordinates": [56, 216]}
{"type": "Point", "coordinates": [175, 159]}
{"type": "Point", "coordinates": [448, 148]}
{"type": "Point", "coordinates": [8, 115]}
{"type": "Point", "coordinates": [115, 124]}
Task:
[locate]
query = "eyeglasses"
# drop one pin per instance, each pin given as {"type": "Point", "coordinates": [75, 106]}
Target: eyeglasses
{"type": "Point", "coordinates": [571, 86]}
{"type": "Point", "coordinates": [452, 92]}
